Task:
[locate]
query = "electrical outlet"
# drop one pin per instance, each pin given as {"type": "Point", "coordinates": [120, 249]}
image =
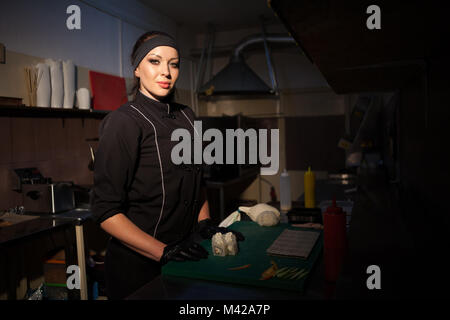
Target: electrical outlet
{"type": "Point", "coordinates": [2, 53]}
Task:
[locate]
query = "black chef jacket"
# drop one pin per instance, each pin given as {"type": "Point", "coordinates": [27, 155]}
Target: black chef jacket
{"type": "Point", "coordinates": [134, 175]}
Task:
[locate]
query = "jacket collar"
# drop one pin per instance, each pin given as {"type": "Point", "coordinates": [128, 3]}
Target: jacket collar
{"type": "Point", "coordinates": [154, 105]}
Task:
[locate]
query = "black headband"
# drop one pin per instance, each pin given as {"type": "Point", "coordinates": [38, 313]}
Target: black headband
{"type": "Point", "coordinates": [147, 46]}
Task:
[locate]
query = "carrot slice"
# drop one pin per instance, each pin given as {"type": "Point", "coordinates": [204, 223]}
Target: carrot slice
{"type": "Point", "coordinates": [270, 272]}
{"type": "Point", "coordinates": [241, 267]}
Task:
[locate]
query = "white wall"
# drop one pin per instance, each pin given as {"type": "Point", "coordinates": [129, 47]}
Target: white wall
{"type": "Point", "coordinates": [108, 32]}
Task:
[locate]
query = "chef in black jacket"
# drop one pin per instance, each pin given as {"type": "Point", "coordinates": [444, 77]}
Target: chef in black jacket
{"type": "Point", "coordinates": [153, 209]}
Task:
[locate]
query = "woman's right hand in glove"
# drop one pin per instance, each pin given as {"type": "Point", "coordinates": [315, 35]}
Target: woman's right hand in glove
{"type": "Point", "coordinates": [182, 251]}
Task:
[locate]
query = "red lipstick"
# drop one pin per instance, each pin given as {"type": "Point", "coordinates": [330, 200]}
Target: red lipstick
{"type": "Point", "coordinates": [164, 85]}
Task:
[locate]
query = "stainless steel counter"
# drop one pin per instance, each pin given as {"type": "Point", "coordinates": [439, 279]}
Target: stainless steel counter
{"type": "Point", "coordinates": [43, 223]}
{"type": "Point", "coordinates": [27, 231]}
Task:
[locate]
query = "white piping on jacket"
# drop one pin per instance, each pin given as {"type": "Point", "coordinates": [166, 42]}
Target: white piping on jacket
{"type": "Point", "coordinates": [161, 169]}
{"type": "Point", "coordinates": [190, 122]}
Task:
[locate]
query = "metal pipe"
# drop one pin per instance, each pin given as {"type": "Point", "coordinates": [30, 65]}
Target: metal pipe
{"type": "Point", "coordinates": [198, 81]}
{"type": "Point", "coordinates": [225, 80]}
{"type": "Point", "coordinates": [208, 68]}
{"type": "Point", "coordinates": [259, 38]}
{"type": "Point", "coordinates": [272, 76]}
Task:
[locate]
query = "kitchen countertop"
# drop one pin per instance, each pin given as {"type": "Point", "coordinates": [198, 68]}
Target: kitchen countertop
{"type": "Point", "coordinates": [24, 229]}
{"type": "Point", "coordinates": [21, 231]}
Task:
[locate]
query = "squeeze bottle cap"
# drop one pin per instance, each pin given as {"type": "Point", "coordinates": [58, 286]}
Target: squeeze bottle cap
{"type": "Point", "coordinates": [309, 172]}
{"type": "Point", "coordinates": [334, 209]}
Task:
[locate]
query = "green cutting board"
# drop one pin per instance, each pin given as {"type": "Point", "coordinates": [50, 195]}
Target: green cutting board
{"type": "Point", "coordinates": [251, 251]}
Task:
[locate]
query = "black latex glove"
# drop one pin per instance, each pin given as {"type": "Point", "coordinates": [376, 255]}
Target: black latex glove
{"type": "Point", "coordinates": [182, 251]}
{"type": "Point", "coordinates": [207, 229]}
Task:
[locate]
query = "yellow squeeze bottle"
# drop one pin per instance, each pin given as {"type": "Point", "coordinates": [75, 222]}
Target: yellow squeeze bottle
{"type": "Point", "coordinates": [309, 185]}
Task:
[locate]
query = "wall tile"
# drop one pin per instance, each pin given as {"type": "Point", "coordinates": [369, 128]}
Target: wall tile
{"type": "Point", "coordinates": [23, 146]}
{"type": "Point", "coordinates": [75, 137]}
{"type": "Point", "coordinates": [5, 140]}
{"type": "Point", "coordinates": [43, 138]}
{"type": "Point", "coordinates": [8, 197]}
{"type": "Point", "coordinates": [58, 138]}
{"type": "Point", "coordinates": [56, 147]}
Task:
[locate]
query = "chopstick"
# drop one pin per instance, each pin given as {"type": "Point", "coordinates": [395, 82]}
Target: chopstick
{"type": "Point", "coordinates": [32, 78]}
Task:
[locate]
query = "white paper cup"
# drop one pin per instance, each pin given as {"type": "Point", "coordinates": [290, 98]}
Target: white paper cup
{"type": "Point", "coordinates": [83, 98]}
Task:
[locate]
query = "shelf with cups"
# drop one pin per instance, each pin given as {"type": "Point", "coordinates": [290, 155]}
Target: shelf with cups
{"type": "Point", "coordinates": [25, 111]}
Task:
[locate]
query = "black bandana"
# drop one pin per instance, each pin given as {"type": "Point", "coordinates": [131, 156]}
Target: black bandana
{"type": "Point", "coordinates": [148, 45]}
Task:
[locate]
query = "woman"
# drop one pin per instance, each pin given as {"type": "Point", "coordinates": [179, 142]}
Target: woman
{"type": "Point", "coordinates": [152, 208]}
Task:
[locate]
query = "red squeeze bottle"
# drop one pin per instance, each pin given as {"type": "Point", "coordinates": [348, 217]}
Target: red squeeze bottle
{"type": "Point", "coordinates": [335, 240]}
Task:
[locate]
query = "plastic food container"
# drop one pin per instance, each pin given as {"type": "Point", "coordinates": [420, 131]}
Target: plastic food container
{"type": "Point", "coordinates": [305, 215]}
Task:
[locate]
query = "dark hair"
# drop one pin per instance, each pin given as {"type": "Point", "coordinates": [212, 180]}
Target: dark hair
{"type": "Point", "coordinates": [137, 83]}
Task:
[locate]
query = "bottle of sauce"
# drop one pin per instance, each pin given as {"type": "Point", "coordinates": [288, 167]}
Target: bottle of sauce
{"type": "Point", "coordinates": [309, 185]}
{"type": "Point", "coordinates": [285, 192]}
{"type": "Point", "coordinates": [335, 240]}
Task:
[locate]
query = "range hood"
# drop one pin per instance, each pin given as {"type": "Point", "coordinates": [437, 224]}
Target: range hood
{"type": "Point", "coordinates": [237, 77]}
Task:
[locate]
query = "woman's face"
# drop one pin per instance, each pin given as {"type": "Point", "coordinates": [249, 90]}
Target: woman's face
{"type": "Point", "coordinates": [158, 72]}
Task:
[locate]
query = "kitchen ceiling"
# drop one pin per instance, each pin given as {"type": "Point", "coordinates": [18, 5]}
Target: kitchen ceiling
{"type": "Point", "coordinates": [222, 14]}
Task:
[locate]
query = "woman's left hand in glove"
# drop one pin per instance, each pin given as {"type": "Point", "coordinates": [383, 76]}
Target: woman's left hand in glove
{"type": "Point", "coordinates": [207, 229]}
